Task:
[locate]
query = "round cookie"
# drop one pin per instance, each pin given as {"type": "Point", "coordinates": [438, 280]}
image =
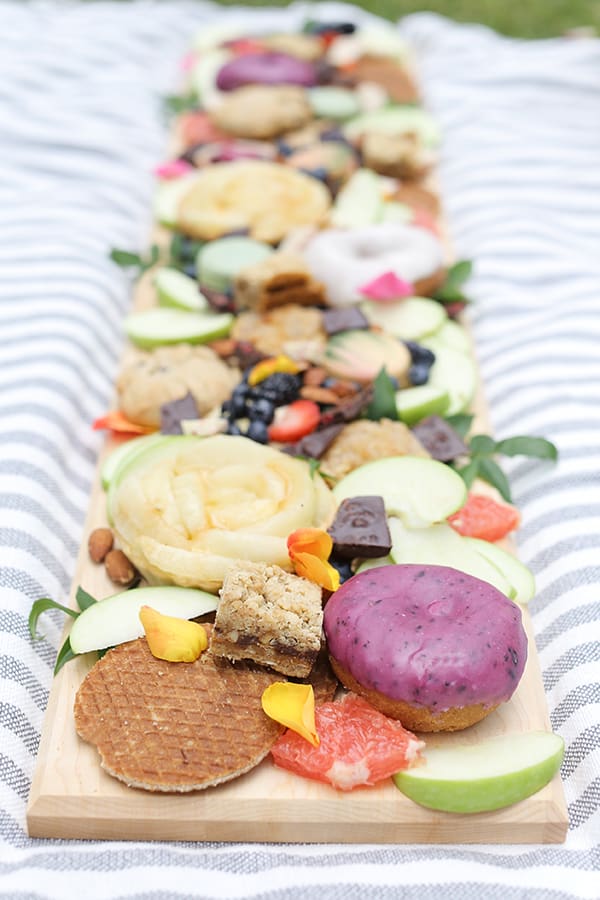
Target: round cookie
{"type": "Point", "coordinates": [218, 262]}
{"type": "Point", "coordinates": [269, 199]}
{"type": "Point", "coordinates": [149, 379]}
{"type": "Point", "coordinates": [345, 260]}
{"type": "Point", "coordinates": [429, 645]}
{"type": "Point", "coordinates": [263, 111]}
{"type": "Point", "coordinates": [270, 67]}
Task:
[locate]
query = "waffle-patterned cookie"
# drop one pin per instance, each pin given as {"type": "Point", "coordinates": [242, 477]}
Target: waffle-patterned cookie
{"type": "Point", "coordinates": [174, 727]}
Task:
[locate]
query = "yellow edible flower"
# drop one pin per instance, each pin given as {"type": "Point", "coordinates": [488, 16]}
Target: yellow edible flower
{"type": "Point", "coordinates": [292, 705]}
{"type": "Point", "coordinates": [271, 365]}
{"type": "Point", "coordinates": [309, 550]}
{"type": "Point", "coordinates": [173, 639]}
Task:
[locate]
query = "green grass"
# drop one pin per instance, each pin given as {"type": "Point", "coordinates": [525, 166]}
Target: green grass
{"type": "Point", "coordinates": [520, 18]}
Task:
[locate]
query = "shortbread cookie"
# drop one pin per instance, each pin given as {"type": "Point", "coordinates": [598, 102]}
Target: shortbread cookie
{"type": "Point", "coordinates": [363, 440]}
{"type": "Point", "coordinates": [281, 330]}
{"type": "Point", "coordinates": [263, 111]}
{"type": "Point", "coordinates": [279, 279]}
{"type": "Point", "coordinates": [150, 379]}
{"type": "Point", "coordinates": [396, 155]}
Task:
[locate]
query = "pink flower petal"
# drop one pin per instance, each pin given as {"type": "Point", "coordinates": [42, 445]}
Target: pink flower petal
{"type": "Point", "coordinates": [188, 61]}
{"type": "Point", "coordinates": [387, 287]}
{"type": "Point", "coordinates": [173, 168]}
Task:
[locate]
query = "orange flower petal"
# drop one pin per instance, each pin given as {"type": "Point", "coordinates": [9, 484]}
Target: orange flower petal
{"type": "Point", "coordinates": [292, 705]}
{"type": "Point", "coordinates": [116, 421]}
{"type": "Point", "coordinates": [173, 639]}
{"type": "Point", "coordinates": [310, 540]}
{"type": "Point", "coordinates": [271, 365]}
{"type": "Point", "coordinates": [314, 569]}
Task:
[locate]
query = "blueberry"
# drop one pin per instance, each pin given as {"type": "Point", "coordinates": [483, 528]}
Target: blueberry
{"type": "Point", "coordinates": [343, 567]}
{"type": "Point", "coordinates": [420, 354]}
{"type": "Point", "coordinates": [226, 407]}
{"type": "Point", "coordinates": [238, 407]}
{"type": "Point", "coordinates": [262, 410]}
{"type": "Point", "coordinates": [257, 431]}
{"type": "Point", "coordinates": [234, 429]}
{"type": "Point", "coordinates": [190, 270]}
{"type": "Point", "coordinates": [241, 390]}
{"type": "Point", "coordinates": [418, 373]}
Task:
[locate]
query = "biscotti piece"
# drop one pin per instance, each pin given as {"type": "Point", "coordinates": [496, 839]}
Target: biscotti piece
{"type": "Point", "coordinates": [280, 279]}
{"type": "Point", "coordinates": [269, 616]}
{"type": "Point", "coordinates": [396, 155]}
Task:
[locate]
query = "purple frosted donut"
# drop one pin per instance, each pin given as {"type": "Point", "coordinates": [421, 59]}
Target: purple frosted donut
{"type": "Point", "coordinates": [429, 645]}
{"type": "Point", "coordinates": [266, 68]}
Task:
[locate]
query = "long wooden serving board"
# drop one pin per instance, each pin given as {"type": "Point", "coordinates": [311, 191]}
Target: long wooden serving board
{"type": "Point", "coordinates": [72, 797]}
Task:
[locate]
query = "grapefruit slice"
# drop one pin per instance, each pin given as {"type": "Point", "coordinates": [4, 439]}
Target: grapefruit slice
{"type": "Point", "coordinates": [358, 746]}
{"type": "Point", "coordinates": [485, 518]}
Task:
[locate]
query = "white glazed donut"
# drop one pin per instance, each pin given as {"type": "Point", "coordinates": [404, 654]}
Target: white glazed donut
{"type": "Point", "coordinates": [345, 260]}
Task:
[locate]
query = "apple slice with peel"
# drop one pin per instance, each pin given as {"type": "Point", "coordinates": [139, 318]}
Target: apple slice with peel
{"type": "Point", "coordinates": [415, 403]}
{"type": "Point", "coordinates": [359, 202]}
{"type": "Point", "coordinates": [440, 545]}
{"type": "Point", "coordinates": [124, 453]}
{"type": "Point", "coordinates": [169, 195]}
{"type": "Point", "coordinates": [117, 619]}
{"type": "Point", "coordinates": [178, 290]}
{"type": "Point", "coordinates": [418, 490]}
{"type": "Point", "coordinates": [411, 319]}
{"type": "Point", "coordinates": [481, 777]}
{"type": "Point", "coordinates": [156, 327]}
{"type": "Point", "coordinates": [519, 576]}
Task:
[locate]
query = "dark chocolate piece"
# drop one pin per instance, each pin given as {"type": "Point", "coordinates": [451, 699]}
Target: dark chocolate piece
{"type": "Point", "coordinates": [173, 413]}
{"type": "Point", "coordinates": [348, 410]}
{"type": "Point", "coordinates": [360, 529]}
{"type": "Point", "coordinates": [315, 444]}
{"type": "Point", "coordinates": [439, 439]}
{"type": "Point", "coordinates": [344, 319]}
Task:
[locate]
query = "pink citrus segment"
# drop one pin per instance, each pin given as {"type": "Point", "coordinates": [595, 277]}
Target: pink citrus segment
{"type": "Point", "coordinates": [485, 518]}
{"type": "Point", "coordinates": [358, 746]}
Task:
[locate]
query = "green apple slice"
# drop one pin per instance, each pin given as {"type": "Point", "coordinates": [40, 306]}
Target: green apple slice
{"type": "Point", "coordinates": [414, 403]}
{"type": "Point", "coordinates": [359, 202]}
{"type": "Point", "coordinates": [125, 452]}
{"type": "Point", "coordinates": [513, 569]}
{"type": "Point", "coordinates": [411, 319]}
{"type": "Point", "coordinates": [453, 334]}
{"type": "Point", "coordinates": [485, 776]}
{"type": "Point", "coordinates": [418, 490]}
{"type": "Point", "coordinates": [395, 120]}
{"type": "Point", "coordinates": [455, 372]}
{"type": "Point", "coordinates": [374, 563]}
{"type": "Point", "coordinates": [392, 211]}
{"type": "Point", "coordinates": [440, 545]}
{"type": "Point", "coordinates": [155, 327]}
{"type": "Point", "coordinates": [169, 195]}
{"type": "Point", "coordinates": [175, 289]}
{"type": "Point", "coordinates": [117, 619]}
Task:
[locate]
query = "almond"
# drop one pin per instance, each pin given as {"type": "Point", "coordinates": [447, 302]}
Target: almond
{"type": "Point", "coordinates": [315, 376]}
{"type": "Point", "coordinates": [119, 568]}
{"type": "Point", "coordinates": [319, 395]}
{"type": "Point", "coordinates": [100, 542]}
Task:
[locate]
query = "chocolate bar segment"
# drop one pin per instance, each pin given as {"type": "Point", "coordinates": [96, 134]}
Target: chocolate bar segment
{"type": "Point", "coordinates": [439, 439]}
{"type": "Point", "coordinates": [360, 529]}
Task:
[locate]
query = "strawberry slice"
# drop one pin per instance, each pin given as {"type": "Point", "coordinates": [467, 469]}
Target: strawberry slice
{"type": "Point", "coordinates": [294, 421]}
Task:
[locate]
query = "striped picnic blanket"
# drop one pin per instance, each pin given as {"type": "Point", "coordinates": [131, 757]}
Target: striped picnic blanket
{"type": "Point", "coordinates": [81, 127]}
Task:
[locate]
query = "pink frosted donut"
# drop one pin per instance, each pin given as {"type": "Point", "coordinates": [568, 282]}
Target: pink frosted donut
{"type": "Point", "coordinates": [346, 259]}
{"type": "Point", "coordinates": [266, 68]}
{"type": "Point", "coordinates": [429, 645]}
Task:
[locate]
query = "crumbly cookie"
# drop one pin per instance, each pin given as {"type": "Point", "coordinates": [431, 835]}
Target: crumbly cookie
{"type": "Point", "coordinates": [390, 75]}
{"type": "Point", "coordinates": [263, 111]}
{"type": "Point", "coordinates": [302, 46]}
{"type": "Point", "coordinates": [292, 329]}
{"type": "Point", "coordinates": [150, 378]}
{"type": "Point", "coordinates": [364, 440]}
{"type": "Point", "coordinates": [396, 155]}
{"type": "Point", "coordinates": [280, 279]}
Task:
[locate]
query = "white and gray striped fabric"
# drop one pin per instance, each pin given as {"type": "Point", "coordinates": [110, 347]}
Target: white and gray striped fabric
{"type": "Point", "coordinates": [81, 127]}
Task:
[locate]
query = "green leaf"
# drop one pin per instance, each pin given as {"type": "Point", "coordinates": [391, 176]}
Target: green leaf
{"type": "Point", "coordinates": [469, 472]}
{"type": "Point", "coordinates": [491, 472]}
{"type": "Point", "coordinates": [527, 446]}
{"type": "Point", "coordinates": [179, 103]}
{"type": "Point", "coordinates": [383, 404]}
{"type": "Point", "coordinates": [451, 289]}
{"type": "Point", "coordinates": [40, 606]}
{"type": "Point", "coordinates": [482, 445]}
{"type": "Point", "coordinates": [64, 655]}
{"type": "Point", "coordinates": [461, 423]}
{"type": "Point", "coordinates": [125, 259]}
{"type": "Point", "coordinates": [84, 599]}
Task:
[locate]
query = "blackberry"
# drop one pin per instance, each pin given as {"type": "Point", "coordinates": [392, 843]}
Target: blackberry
{"type": "Point", "coordinates": [280, 388]}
